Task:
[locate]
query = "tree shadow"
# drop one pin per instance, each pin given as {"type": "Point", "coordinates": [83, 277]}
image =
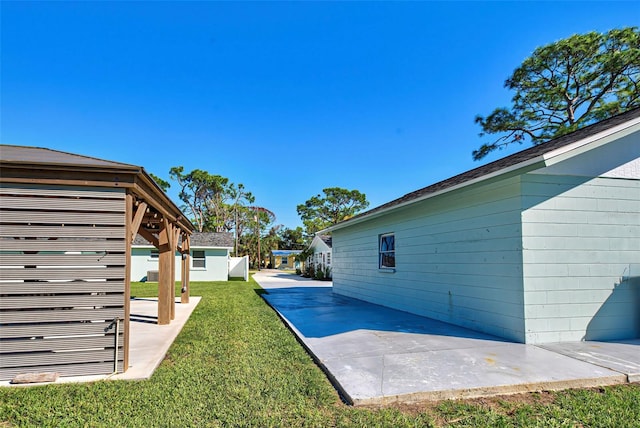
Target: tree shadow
{"type": "Point", "coordinates": [619, 316]}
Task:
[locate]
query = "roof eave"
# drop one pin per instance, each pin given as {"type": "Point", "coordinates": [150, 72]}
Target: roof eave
{"type": "Point", "coordinates": [546, 159]}
{"type": "Point", "coordinates": [520, 168]}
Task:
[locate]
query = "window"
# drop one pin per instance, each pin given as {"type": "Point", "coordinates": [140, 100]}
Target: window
{"type": "Point", "coordinates": [285, 260]}
{"type": "Point", "coordinates": [154, 254]}
{"type": "Point", "coordinates": [387, 258]}
{"type": "Point", "coordinates": [199, 261]}
{"type": "Point", "coordinates": [328, 258]}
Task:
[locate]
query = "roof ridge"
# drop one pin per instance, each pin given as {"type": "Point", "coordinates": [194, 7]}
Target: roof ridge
{"type": "Point", "coordinates": [68, 154]}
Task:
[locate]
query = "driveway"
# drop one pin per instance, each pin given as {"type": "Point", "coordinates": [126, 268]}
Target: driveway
{"type": "Point", "coordinates": [377, 355]}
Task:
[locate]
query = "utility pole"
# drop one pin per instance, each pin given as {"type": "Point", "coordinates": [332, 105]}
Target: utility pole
{"type": "Point", "coordinates": [258, 236]}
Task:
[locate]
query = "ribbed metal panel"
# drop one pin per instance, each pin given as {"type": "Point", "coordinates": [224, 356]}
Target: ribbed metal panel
{"type": "Point", "coordinates": [60, 204]}
{"type": "Point", "coordinates": [60, 301]}
{"type": "Point", "coordinates": [100, 259]}
{"type": "Point", "coordinates": [61, 217]}
{"type": "Point", "coordinates": [63, 370]}
{"type": "Point", "coordinates": [69, 274]}
{"type": "Point", "coordinates": [24, 288]}
{"type": "Point", "coordinates": [59, 315]}
{"type": "Point", "coordinates": [62, 231]}
{"type": "Point", "coordinates": [62, 259]}
{"type": "Point", "coordinates": [59, 344]}
{"type": "Point", "coordinates": [51, 330]}
{"type": "Point", "coordinates": [24, 359]}
{"type": "Point", "coordinates": [63, 191]}
{"type": "Point", "coordinates": [61, 246]}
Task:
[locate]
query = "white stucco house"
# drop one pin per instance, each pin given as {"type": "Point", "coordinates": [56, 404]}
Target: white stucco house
{"type": "Point", "coordinates": [540, 246]}
{"type": "Point", "coordinates": [320, 252]}
{"type": "Point", "coordinates": [209, 258]}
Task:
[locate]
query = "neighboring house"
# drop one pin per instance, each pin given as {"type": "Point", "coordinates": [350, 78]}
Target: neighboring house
{"type": "Point", "coordinates": [209, 258]}
{"type": "Point", "coordinates": [320, 252]}
{"type": "Point", "coordinates": [540, 246]}
{"type": "Point", "coordinates": [285, 259]}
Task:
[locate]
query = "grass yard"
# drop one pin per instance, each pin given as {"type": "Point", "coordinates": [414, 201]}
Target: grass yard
{"type": "Point", "coordinates": [236, 364]}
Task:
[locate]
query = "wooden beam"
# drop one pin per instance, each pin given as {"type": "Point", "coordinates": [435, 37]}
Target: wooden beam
{"type": "Point", "coordinates": [137, 219]}
{"type": "Point", "coordinates": [173, 242]}
{"type": "Point", "coordinates": [149, 237]}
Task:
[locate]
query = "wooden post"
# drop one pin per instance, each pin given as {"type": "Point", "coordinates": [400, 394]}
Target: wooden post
{"type": "Point", "coordinates": [174, 246]}
{"type": "Point", "coordinates": [186, 265]}
{"type": "Point", "coordinates": [165, 280]}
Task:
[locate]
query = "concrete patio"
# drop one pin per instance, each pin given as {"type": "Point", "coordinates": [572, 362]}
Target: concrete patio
{"type": "Point", "coordinates": [377, 355]}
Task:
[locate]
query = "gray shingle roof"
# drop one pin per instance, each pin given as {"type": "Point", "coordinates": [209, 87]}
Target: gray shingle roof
{"type": "Point", "coordinates": [326, 239]}
{"type": "Point", "coordinates": [39, 155]}
{"type": "Point", "coordinates": [200, 240]}
{"type": "Point", "coordinates": [504, 163]}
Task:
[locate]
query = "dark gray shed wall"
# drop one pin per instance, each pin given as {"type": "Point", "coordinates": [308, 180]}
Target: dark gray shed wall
{"type": "Point", "coordinates": [62, 279]}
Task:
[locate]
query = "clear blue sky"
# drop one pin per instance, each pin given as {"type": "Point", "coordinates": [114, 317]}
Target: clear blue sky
{"type": "Point", "coordinates": [287, 98]}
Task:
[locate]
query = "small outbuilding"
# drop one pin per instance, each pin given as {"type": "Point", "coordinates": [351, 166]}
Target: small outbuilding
{"type": "Point", "coordinates": [210, 257]}
{"type": "Point", "coordinates": [540, 246]}
{"type": "Point", "coordinates": [67, 223]}
{"type": "Point", "coordinates": [285, 259]}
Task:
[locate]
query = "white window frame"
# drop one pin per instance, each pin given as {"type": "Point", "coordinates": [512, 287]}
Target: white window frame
{"type": "Point", "coordinates": [195, 259]}
{"type": "Point", "coordinates": [382, 265]}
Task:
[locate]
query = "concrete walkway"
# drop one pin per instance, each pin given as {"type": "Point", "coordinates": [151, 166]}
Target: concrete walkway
{"type": "Point", "coordinates": [377, 355]}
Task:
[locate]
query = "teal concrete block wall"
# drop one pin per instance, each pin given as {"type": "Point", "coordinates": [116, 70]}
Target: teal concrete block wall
{"type": "Point", "coordinates": [581, 241]}
{"type": "Point", "coordinates": [458, 259]}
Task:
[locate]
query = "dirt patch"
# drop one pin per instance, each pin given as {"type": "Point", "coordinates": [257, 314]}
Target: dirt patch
{"type": "Point", "coordinates": [505, 404]}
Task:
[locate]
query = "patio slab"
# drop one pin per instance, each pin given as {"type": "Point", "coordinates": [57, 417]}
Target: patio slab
{"type": "Point", "coordinates": [377, 355]}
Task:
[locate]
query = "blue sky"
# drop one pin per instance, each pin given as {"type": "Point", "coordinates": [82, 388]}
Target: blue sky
{"type": "Point", "coordinates": [287, 98]}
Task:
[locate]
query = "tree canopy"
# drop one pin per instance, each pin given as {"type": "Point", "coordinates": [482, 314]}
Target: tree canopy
{"type": "Point", "coordinates": [336, 205]}
{"type": "Point", "coordinates": [164, 185]}
{"type": "Point", "coordinates": [566, 85]}
{"type": "Point", "coordinates": [211, 200]}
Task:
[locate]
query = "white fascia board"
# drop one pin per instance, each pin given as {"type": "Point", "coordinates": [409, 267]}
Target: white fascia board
{"type": "Point", "coordinates": [592, 142]}
{"type": "Point", "coordinates": [529, 165]}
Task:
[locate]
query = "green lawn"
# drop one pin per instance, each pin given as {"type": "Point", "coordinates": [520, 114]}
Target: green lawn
{"type": "Point", "coordinates": [235, 364]}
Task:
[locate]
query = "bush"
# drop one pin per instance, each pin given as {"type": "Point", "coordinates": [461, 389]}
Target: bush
{"type": "Point", "coordinates": [319, 275]}
{"type": "Point", "coordinates": [298, 271]}
{"type": "Point", "coordinates": [327, 273]}
{"type": "Point", "coordinates": [309, 272]}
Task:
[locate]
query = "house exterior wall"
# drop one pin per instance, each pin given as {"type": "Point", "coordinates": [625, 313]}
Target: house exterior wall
{"type": "Point", "coordinates": [321, 256]}
{"type": "Point", "coordinates": [141, 263]}
{"type": "Point", "coordinates": [581, 240]}
{"type": "Point", "coordinates": [458, 259]}
{"type": "Point", "coordinates": [216, 265]}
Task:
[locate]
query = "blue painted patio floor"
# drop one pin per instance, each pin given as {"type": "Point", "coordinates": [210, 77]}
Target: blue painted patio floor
{"type": "Point", "coordinates": [378, 355]}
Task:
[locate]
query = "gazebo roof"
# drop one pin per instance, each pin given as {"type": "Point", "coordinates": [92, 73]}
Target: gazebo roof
{"type": "Point", "coordinates": [37, 165]}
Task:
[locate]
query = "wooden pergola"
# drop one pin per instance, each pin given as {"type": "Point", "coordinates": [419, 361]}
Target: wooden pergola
{"type": "Point", "coordinates": [57, 212]}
